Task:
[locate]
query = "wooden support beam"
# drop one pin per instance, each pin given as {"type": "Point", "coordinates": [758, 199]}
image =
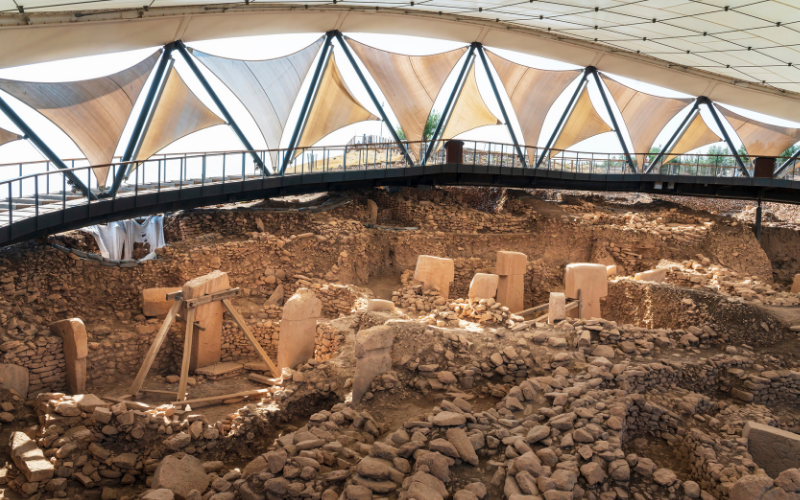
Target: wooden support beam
{"type": "Point", "coordinates": [154, 348]}
{"type": "Point", "coordinates": [154, 391]}
{"type": "Point", "coordinates": [209, 399]}
{"type": "Point", "coordinates": [187, 356]}
{"type": "Point", "coordinates": [175, 295]}
{"type": "Point", "coordinates": [240, 321]}
{"type": "Point", "coordinates": [213, 297]}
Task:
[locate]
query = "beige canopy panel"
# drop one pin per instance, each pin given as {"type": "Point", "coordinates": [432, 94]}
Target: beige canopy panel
{"type": "Point", "coordinates": [178, 113]}
{"type": "Point", "coordinates": [410, 83]}
{"type": "Point", "coordinates": [645, 115]}
{"type": "Point", "coordinates": [761, 139]}
{"type": "Point", "coordinates": [532, 93]}
{"type": "Point", "coordinates": [470, 110]}
{"type": "Point", "coordinates": [6, 136]}
{"type": "Point", "coordinates": [583, 123]}
{"type": "Point", "coordinates": [93, 113]}
{"type": "Point", "coordinates": [334, 107]}
{"type": "Point", "coordinates": [697, 135]}
{"type": "Point", "coordinates": [268, 88]}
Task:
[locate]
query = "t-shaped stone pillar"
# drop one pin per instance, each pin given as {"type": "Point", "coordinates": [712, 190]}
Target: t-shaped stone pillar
{"type": "Point", "coordinates": [557, 309]}
{"type": "Point", "coordinates": [511, 267]}
{"type": "Point", "coordinates": [592, 281]}
{"type": "Point", "coordinates": [483, 286]}
{"type": "Point", "coordinates": [435, 273]}
{"type": "Point", "coordinates": [73, 332]}
{"type": "Point", "coordinates": [298, 328]}
{"type": "Point", "coordinates": [206, 340]}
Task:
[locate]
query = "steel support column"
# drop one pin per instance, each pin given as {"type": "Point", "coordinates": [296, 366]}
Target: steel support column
{"type": "Point", "coordinates": [489, 74]}
{"type": "Point", "coordinates": [713, 110]}
{"type": "Point", "coordinates": [564, 116]}
{"type": "Point", "coordinates": [44, 149]}
{"type": "Point", "coordinates": [758, 219]}
{"type": "Point", "coordinates": [372, 96]}
{"type": "Point", "coordinates": [607, 103]}
{"type": "Point", "coordinates": [199, 74]}
{"type": "Point", "coordinates": [459, 85]}
{"type": "Point", "coordinates": [788, 163]}
{"type": "Point", "coordinates": [674, 139]}
{"type": "Point", "coordinates": [324, 53]}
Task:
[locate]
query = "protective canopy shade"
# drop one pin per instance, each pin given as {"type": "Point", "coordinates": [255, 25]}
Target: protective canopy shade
{"type": "Point", "coordinates": [645, 115]}
{"type": "Point", "coordinates": [583, 122]}
{"type": "Point", "coordinates": [6, 136]}
{"type": "Point", "coordinates": [532, 93]}
{"type": "Point", "coordinates": [93, 113]}
{"type": "Point", "coordinates": [267, 88]}
{"type": "Point", "coordinates": [761, 139]}
{"type": "Point", "coordinates": [178, 113]}
{"type": "Point", "coordinates": [697, 135]}
{"type": "Point", "coordinates": [334, 107]}
{"type": "Point", "coordinates": [410, 84]}
{"type": "Point", "coordinates": [470, 110]}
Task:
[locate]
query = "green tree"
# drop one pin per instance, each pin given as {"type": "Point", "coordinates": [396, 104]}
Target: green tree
{"type": "Point", "coordinates": [430, 127]}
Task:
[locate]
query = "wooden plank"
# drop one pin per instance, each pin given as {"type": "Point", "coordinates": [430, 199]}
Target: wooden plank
{"type": "Point", "coordinates": [175, 295]}
{"type": "Point", "coordinates": [154, 391]}
{"type": "Point", "coordinates": [154, 348]}
{"type": "Point", "coordinates": [187, 355]}
{"type": "Point", "coordinates": [226, 396]}
{"type": "Point", "coordinates": [532, 310]}
{"type": "Point", "coordinates": [240, 321]}
{"type": "Point", "coordinates": [213, 297]}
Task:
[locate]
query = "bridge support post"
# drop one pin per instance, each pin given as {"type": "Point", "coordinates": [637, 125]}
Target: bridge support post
{"type": "Point", "coordinates": [500, 103]}
{"type": "Point", "coordinates": [607, 103]}
{"type": "Point", "coordinates": [675, 137]}
{"type": "Point", "coordinates": [758, 220]}
{"type": "Point", "coordinates": [372, 96]}
{"type": "Point", "coordinates": [718, 121]}
{"type": "Point", "coordinates": [44, 148]}
{"type": "Point", "coordinates": [459, 85]}
{"type": "Point", "coordinates": [567, 112]}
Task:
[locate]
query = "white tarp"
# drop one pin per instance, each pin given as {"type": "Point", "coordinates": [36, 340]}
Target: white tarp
{"type": "Point", "coordinates": [116, 239]}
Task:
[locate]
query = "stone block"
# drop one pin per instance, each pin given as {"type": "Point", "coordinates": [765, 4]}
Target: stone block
{"type": "Point", "coordinates": [591, 279]}
{"type": "Point", "coordinates": [15, 377]}
{"type": "Point", "coordinates": [773, 449]}
{"type": "Point", "coordinates": [796, 284]}
{"type": "Point", "coordinates": [611, 270]}
{"type": "Point", "coordinates": [373, 349]}
{"type": "Point", "coordinates": [373, 211]}
{"type": "Point", "coordinates": [29, 458]}
{"type": "Point", "coordinates": [207, 343]}
{"type": "Point", "coordinates": [73, 332]}
{"type": "Point", "coordinates": [180, 475]}
{"type": "Point", "coordinates": [558, 303]}
{"type": "Point", "coordinates": [298, 329]}
{"type": "Point", "coordinates": [435, 273]}
{"type": "Point", "coordinates": [483, 286]}
{"type": "Point", "coordinates": [655, 275]}
{"type": "Point", "coordinates": [509, 263]}
{"type": "Point", "coordinates": [379, 305]}
{"type": "Point", "coordinates": [511, 292]}
{"type": "Point", "coordinates": [154, 301]}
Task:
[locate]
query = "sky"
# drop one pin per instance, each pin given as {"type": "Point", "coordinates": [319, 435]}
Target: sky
{"type": "Point", "coordinates": [222, 138]}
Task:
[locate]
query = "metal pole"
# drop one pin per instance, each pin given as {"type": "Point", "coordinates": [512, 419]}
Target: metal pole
{"type": "Point", "coordinates": [758, 219]}
{"type": "Point", "coordinates": [312, 89]}
{"type": "Point", "coordinates": [710, 105]}
{"type": "Point", "coordinates": [43, 148]}
{"type": "Point", "coordinates": [500, 103]}
{"type": "Point", "coordinates": [372, 96]}
{"type": "Point", "coordinates": [788, 163]}
{"type": "Point", "coordinates": [674, 139]}
{"type": "Point", "coordinates": [457, 88]}
{"type": "Point", "coordinates": [593, 71]}
{"type": "Point", "coordinates": [564, 116]}
{"type": "Point", "coordinates": [228, 118]}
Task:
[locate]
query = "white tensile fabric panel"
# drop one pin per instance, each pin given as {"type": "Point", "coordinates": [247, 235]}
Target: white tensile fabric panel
{"type": "Point", "coordinates": [532, 93]}
{"type": "Point", "coordinates": [583, 122]}
{"type": "Point", "coordinates": [334, 107]}
{"type": "Point", "coordinates": [697, 135]}
{"type": "Point", "coordinates": [6, 136]}
{"type": "Point", "coordinates": [410, 83]}
{"type": "Point", "coordinates": [759, 138]}
{"type": "Point", "coordinates": [645, 115]}
{"type": "Point", "coordinates": [267, 88]}
{"type": "Point", "coordinates": [178, 113]}
{"type": "Point", "coordinates": [470, 110]}
{"type": "Point", "coordinates": [93, 113]}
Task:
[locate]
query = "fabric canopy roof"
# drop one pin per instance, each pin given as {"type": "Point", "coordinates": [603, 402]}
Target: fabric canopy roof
{"type": "Point", "coordinates": [761, 139]}
{"type": "Point", "coordinates": [334, 107]}
{"type": "Point", "coordinates": [178, 113]}
{"type": "Point", "coordinates": [6, 136]}
{"type": "Point", "coordinates": [532, 93]}
{"type": "Point", "coordinates": [93, 113]}
{"type": "Point", "coordinates": [583, 123]}
{"type": "Point", "coordinates": [697, 135]}
{"type": "Point", "coordinates": [268, 88]}
{"type": "Point", "coordinates": [410, 83]}
{"type": "Point", "coordinates": [470, 110]}
{"type": "Point", "coordinates": [645, 115]}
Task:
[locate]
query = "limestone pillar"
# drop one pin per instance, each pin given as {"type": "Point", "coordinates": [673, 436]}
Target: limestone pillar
{"type": "Point", "coordinates": [373, 211]}
{"type": "Point", "coordinates": [373, 349]}
{"type": "Point", "coordinates": [298, 328]}
{"type": "Point", "coordinates": [511, 267]}
{"type": "Point", "coordinates": [556, 311]}
{"type": "Point", "coordinates": [206, 342]}
{"type": "Point", "coordinates": [435, 273]}
{"type": "Point", "coordinates": [154, 301]}
{"type": "Point", "coordinates": [73, 333]}
{"type": "Point", "coordinates": [592, 281]}
{"type": "Point", "coordinates": [483, 286]}
{"type": "Point", "coordinates": [796, 284]}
